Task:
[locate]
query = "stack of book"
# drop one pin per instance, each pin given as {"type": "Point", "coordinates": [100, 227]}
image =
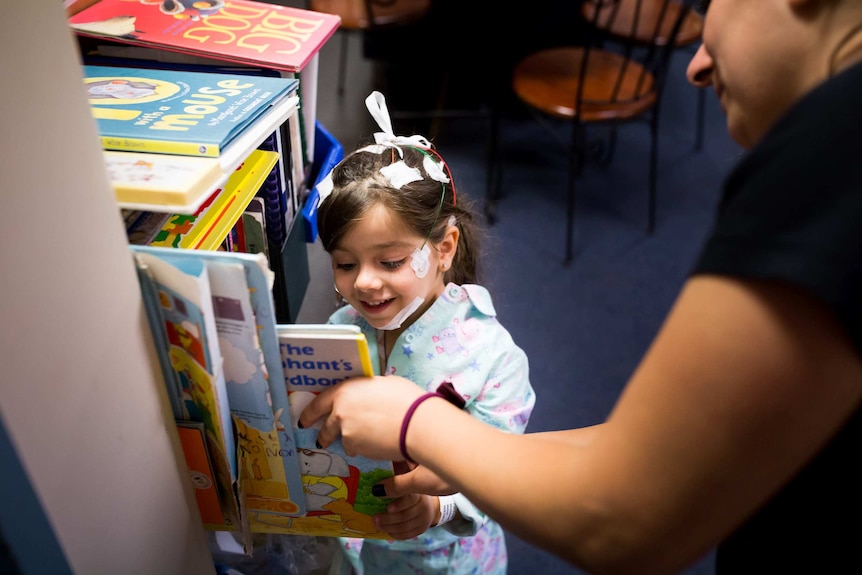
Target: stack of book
{"type": "Point", "coordinates": [237, 382]}
{"type": "Point", "coordinates": [185, 145]}
{"type": "Point", "coordinates": [236, 37]}
{"type": "Point", "coordinates": [247, 33]}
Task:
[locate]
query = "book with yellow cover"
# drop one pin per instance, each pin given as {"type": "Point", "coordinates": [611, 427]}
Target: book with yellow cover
{"type": "Point", "coordinates": [162, 182]}
{"type": "Point", "coordinates": [207, 228]}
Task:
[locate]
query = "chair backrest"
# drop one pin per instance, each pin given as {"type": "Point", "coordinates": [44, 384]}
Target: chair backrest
{"type": "Point", "coordinates": [650, 21]}
{"type": "Point", "coordinates": [641, 31]}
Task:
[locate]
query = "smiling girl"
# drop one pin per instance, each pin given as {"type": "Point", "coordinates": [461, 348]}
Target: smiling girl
{"type": "Point", "coordinates": [404, 258]}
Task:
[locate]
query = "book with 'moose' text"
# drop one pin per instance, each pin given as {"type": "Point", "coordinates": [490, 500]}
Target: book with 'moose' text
{"type": "Point", "coordinates": [179, 112]}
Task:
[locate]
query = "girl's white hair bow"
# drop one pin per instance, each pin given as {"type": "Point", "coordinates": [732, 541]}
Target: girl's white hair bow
{"type": "Point", "coordinates": [398, 173]}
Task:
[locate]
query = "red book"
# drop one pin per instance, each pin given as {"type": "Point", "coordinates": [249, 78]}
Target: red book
{"type": "Point", "coordinates": [241, 31]}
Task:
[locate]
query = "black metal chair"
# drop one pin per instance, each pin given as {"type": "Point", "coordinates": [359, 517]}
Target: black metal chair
{"type": "Point", "coordinates": [609, 79]}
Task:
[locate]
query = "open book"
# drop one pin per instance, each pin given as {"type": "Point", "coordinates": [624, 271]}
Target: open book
{"type": "Point", "coordinates": [231, 369]}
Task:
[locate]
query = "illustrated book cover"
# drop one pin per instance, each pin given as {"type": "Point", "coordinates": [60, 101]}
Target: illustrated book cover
{"type": "Point", "coordinates": [176, 112]}
{"type": "Point", "coordinates": [243, 316]}
{"type": "Point", "coordinates": [242, 31]}
{"type": "Point", "coordinates": [337, 486]}
{"type": "Point", "coordinates": [283, 483]}
{"type": "Point", "coordinates": [178, 302]}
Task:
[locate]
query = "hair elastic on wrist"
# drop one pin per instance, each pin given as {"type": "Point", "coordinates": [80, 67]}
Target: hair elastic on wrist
{"type": "Point", "coordinates": [446, 391]}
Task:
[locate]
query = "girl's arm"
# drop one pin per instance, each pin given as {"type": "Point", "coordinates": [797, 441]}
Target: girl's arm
{"type": "Point", "coordinates": [743, 384]}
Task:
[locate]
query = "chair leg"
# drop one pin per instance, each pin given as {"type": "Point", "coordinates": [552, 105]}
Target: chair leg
{"type": "Point", "coordinates": [494, 167]}
{"type": "Point", "coordinates": [576, 153]}
{"type": "Point", "coordinates": [494, 174]}
{"type": "Point", "coordinates": [342, 63]}
{"type": "Point", "coordinates": [653, 169]}
{"type": "Point", "coordinates": [570, 208]}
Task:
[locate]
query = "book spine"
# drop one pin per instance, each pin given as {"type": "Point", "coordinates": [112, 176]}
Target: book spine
{"type": "Point", "coordinates": [161, 147]}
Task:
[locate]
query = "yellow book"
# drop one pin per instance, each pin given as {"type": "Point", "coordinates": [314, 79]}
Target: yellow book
{"type": "Point", "coordinates": [162, 182]}
{"type": "Point", "coordinates": [208, 227]}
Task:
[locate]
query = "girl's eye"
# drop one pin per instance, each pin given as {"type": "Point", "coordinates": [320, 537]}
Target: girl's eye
{"type": "Point", "coordinates": [345, 267]}
{"type": "Point", "coordinates": [393, 265]}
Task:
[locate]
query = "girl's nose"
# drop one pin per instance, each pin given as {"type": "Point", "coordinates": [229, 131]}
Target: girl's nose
{"type": "Point", "coordinates": [699, 71]}
{"type": "Point", "coordinates": [367, 279]}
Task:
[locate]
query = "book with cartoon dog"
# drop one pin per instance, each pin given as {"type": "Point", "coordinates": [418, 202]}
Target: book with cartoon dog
{"type": "Point", "coordinates": [337, 487]}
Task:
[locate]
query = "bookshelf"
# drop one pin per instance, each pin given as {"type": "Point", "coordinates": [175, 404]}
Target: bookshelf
{"type": "Point", "coordinates": [81, 406]}
{"type": "Point", "coordinates": [94, 480]}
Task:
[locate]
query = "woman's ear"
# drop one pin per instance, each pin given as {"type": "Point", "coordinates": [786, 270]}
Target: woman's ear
{"type": "Point", "coordinates": [448, 246]}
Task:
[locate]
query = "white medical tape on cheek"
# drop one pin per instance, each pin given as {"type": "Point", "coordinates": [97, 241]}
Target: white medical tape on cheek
{"type": "Point", "coordinates": [399, 318]}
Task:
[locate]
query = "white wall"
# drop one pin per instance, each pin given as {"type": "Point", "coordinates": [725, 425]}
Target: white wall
{"type": "Point", "coordinates": [80, 391]}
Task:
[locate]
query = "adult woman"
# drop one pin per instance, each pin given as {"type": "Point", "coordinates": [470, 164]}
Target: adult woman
{"type": "Point", "coordinates": [740, 426]}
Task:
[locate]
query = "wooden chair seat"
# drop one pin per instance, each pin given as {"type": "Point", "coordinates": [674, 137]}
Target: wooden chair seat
{"type": "Point", "coordinates": [548, 80]}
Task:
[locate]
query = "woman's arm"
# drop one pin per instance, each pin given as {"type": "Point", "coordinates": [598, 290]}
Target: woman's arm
{"type": "Point", "coordinates": [742, 385]}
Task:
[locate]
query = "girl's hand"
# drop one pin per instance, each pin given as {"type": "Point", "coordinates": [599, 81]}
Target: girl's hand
{"type": "Point", "coordinates": [409, 516]}
{"type": "Point", "coordinates": [366, 412]}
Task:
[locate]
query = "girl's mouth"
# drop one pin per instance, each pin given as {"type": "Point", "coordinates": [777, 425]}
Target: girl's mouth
{"type": "Point", "coordinates": [376, 307]}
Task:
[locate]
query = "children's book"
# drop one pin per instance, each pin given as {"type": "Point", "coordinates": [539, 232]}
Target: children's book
{"type": "Point", "coordinates": [193, 440]}
{"type": "Point", "coordinates": [165, 182]}
{"type": "Point", "coordinates": [178, 112]}
{"type": "Point", "coordinates": [267, 456]}
{"type": "Point", "coordinates": [209, 225]}
{"type": "Point", "coordinates": [178, 302]}
{"type": "Point", "coordinates": [239, 287]}
{"type": "Point", "coordinates": [243, 31]}
{"type": "Point", "coordinates": [142, 226]}
{"type": "Point", "coordinates": [255, 228]}
{"type": "Point", "coordinates": [283, 482]}
{"type": "Point", "coordinates": [337, 486]}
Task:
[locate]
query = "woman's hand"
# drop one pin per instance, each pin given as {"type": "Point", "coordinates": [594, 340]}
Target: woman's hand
{"type": "Point", "coordinates": [366, 412]}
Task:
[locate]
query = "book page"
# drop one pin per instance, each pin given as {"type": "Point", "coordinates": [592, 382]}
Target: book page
{"type": "Point", "coordinates": [263, 472]}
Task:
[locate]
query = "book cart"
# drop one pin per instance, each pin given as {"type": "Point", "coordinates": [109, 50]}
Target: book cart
{"type": "Point", "coordinates": [93, 481]}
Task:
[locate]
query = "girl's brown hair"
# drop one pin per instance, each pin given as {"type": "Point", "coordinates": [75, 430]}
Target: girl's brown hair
{"type": "Point", "coordinates": [425, 205]}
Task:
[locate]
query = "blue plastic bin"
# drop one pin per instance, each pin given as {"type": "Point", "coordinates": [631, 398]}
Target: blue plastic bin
{"type": "Point", "coordinates": [327, 152]}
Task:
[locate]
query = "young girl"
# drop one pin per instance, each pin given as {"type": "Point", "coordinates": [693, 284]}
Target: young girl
{"type": "Point", "coordinates": [404, 258]}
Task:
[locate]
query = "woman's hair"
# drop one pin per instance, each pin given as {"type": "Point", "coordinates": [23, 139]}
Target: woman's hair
{"type": "Point", "coordinates": [425, 205]}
